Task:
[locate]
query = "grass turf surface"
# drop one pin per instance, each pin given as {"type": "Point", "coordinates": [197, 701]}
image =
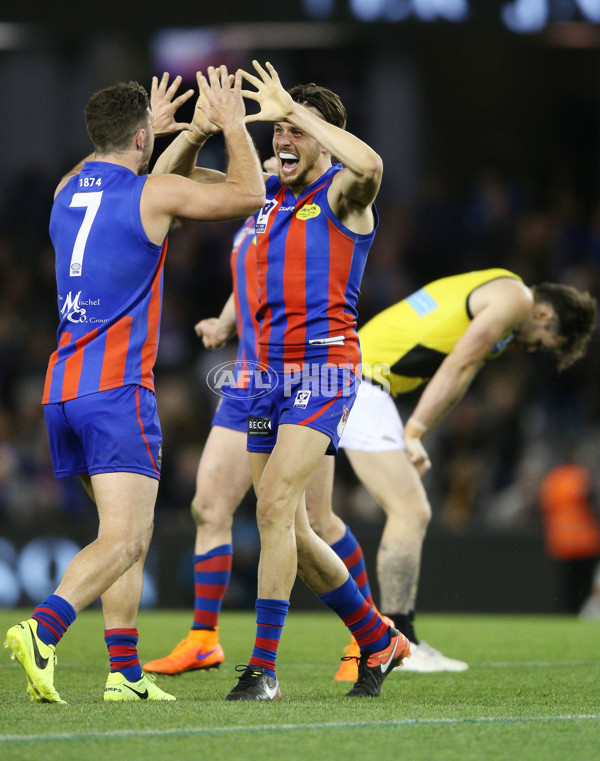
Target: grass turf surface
{"type": "Point", "coordinates": [531, 693]}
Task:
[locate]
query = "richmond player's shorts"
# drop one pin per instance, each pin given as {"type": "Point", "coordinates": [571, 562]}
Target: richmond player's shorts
{"type": "Point", "coordinates": [309, 401]}
{"type": "Point", "coordinates": [232, 411]}
{"type": "Point", "coordinates": [375, 424]}
{"type": "Point", "coordinates": [108, 432]}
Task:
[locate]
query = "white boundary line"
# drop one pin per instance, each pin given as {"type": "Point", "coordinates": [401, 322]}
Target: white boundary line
{"type": "Point", "coordinates": [195, 731]}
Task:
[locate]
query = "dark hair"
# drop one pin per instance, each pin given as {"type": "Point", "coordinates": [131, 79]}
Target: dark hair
{"type": "Point", "coordinates": [576, 315]}
{"type": "Point", "coordinates": [327, 103]}
{"type": "Point", "coordinates": [113, 116]}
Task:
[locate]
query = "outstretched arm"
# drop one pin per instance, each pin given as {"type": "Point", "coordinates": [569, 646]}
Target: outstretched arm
{"type": "Point", "coordinates": [243, 192]}
{"type": "Point", "coordinates": [507, 305]}
{"type": "Point", "coordinates": [361, 177]}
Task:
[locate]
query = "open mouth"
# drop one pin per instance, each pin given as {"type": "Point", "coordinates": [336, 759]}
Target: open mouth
{"type": "Point", "coordinates": [289, 162]}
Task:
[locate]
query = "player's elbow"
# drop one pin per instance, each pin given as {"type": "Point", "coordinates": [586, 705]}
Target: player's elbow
{"type": "Point", "coordinates": [371, 169]}
{"type": "Point", "coordinates": [376, 167]}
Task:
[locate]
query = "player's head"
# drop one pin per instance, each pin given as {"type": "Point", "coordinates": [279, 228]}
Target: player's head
{"type": "Point", "coordinates": [117, 115]}
{"type": "Point", "coordinates": [326, 102]}
{"type": "Point", "coordinates": [562, 321]}
{"type": "Point", "coordinates": [300, 156]}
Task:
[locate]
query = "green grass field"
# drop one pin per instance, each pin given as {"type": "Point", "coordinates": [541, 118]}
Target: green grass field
{"type": "Point", "coordinates": [532, 692]}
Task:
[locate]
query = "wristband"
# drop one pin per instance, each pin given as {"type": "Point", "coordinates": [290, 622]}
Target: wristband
{"type": "Point", "coordinates": [416, 424]}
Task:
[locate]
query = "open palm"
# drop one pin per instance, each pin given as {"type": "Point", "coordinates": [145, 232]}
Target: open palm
{"type": "Point", "coordinates": [275, 102]}
{"type": "Point", "coordinates": [220, 102]}
{"type": "Point", "coordinates": [164, 104]}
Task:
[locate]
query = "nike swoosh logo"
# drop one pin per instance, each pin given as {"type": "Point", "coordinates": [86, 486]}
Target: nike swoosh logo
{"type": "Point", "coordinates": [272, 691]}
{"type": "Point", "coordinates": [141, 695]}
{"type": "Point", "coordinates": [200, 657]}
{"type": "Point", "coordinates": [40, 662]}
{"type": "Point", "coordinates": [385, 666]}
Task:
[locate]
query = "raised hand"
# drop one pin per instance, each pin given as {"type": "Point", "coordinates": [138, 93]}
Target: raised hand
{"type": "Point", "coordinates": [275, 102]}
{"type": "Point", "coordinates": [164, 105]}
{"type": "Point", "coordinates": [220, 103]}
{"type": "Point", "coordinates": [200, 122]}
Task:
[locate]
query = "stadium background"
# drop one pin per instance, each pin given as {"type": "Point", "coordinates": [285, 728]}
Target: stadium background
{"type": "Point", "coordinates": [487, 115]}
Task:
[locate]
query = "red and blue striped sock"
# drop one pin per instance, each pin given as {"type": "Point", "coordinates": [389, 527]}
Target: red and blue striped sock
{"type": "Point", "coordinates": [370, 632]}
{"type": "Point", "coordinates": [54, 616]}
{"type": "Point", "coordinates": [211, 577]}
{"type": "Point", "coordinates": [349, 550]}
{"type": "Point", "coordinates": [270, 618]}
{"type": "Point", "coordinates": [122, 652]}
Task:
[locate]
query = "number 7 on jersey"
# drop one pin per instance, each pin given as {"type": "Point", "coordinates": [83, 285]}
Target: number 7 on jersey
{"type": "Point", "coordinates": [91, 202]}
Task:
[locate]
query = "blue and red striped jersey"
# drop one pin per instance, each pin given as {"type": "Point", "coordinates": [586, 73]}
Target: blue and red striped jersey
{"type": "Point", "coordinates": [309, 271]}
{"type": "Point", "coordinates": [109, 278]}
{"type": "Point", "coordinates": [245, 295]}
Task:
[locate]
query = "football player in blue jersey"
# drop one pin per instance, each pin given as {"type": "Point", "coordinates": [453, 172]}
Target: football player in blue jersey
{"type": "Point", "coordinates": [109, 227]}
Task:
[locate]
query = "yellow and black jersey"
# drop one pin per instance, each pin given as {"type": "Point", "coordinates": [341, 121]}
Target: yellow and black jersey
{"type": "Point", "coordinates": [406, 343]}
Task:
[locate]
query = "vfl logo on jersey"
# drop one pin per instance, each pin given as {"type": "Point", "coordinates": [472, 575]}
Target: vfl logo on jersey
{"type": "Point", "coordinates": [310, 211]}
{"type": "Point", "coordinates": [302, 398]}
{"type": "Point", "coordinates": [263, 216]}
{"type": "Point", "coordinates": [343, 421]}
{"type": "Point", "coordinates": [72, 309]}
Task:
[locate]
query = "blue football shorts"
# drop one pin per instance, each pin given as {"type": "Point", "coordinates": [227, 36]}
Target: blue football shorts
{"type": "Point", "coordinates": [321, 401]}
{"type": "Point", "coordinates": [108, 432]}
{"type": "Point", "coordinates": [232, 411]}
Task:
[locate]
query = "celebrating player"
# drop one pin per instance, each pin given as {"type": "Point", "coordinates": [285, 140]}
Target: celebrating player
{"type": "Point", "coordinates": [108, 226]}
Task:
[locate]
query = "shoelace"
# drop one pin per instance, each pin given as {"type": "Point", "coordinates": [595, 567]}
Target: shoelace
{"type": "Point", "coordinates": [247, 672]}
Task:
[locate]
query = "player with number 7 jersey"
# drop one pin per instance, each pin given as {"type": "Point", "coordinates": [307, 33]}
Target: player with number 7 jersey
{"type": "Point", "coordinates": [109, 226]}
{"type": "Point", "coordinates": [109, 303]}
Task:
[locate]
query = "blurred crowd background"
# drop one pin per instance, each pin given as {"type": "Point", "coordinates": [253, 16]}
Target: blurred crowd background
{"type": "Point", "coordinates": [491, 147]}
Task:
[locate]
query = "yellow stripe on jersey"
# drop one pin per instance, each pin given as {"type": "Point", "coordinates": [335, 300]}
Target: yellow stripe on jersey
{"type": "Point", "coordinates": [414, 336]}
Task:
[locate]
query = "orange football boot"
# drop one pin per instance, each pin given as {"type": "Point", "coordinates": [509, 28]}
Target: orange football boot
{"type": "Point", "coordinates": [199, 650]}
{"type": "Point", "coordinates": [348, 668]}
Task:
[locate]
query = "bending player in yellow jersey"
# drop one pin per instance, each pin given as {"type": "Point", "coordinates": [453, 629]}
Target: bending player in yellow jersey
{"type": "Point", "coordinates": [440, 336]}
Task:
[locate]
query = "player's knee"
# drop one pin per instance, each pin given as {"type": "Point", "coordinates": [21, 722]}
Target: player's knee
{"type": "Point", "coordinates": [412, 514]}
{"type": "Point", "coordinates": [199, 510]}
{"type": "Point", "coordinates": [273, 513]}
{"type": "Point", "coordinates": [210, 512]}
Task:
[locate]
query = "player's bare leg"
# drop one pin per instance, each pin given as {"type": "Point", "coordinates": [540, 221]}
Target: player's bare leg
{"type": "Point", "coordinates": [289, 545]}
{"type": "Point", "coordinates": [330, 527]}
{"type": "Point", "coordinates": [125, 503]}
{"type": "Point", "coordinates": [395, 484]}
{"type": "Point", "coordinates": [318, 566]}
{"type": "Point", "coordinates": [280, 480]}
{"type": "Point", "coordinates": [222, 480]}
